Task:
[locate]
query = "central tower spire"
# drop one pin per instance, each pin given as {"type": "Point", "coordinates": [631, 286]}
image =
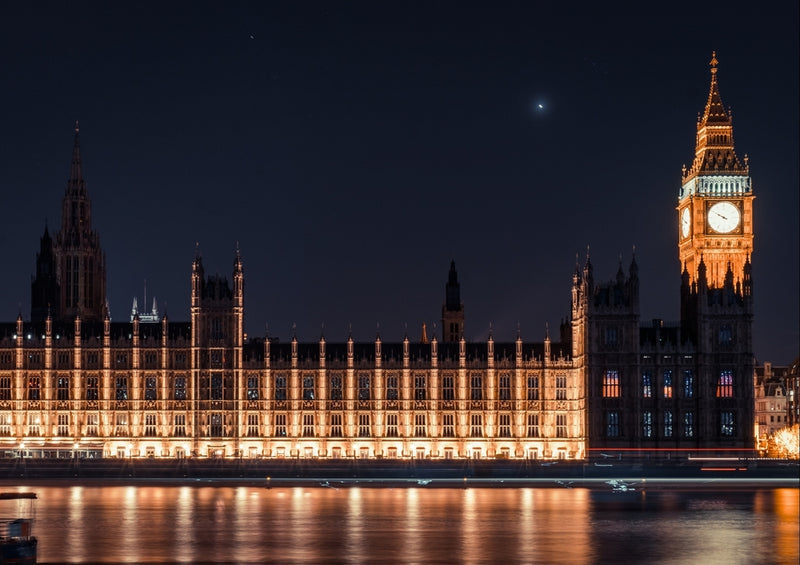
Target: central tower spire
{"type": "Point", "coordinates": [79, 258]}
{"type": "Point", "coordinates": [453, 308]}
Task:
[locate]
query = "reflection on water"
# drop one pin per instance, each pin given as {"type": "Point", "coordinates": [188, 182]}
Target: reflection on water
{"type": "Point", "coordinates": [414, 525]}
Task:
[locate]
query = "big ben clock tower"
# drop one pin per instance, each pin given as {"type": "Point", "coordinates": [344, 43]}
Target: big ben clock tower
{"type": "Point", "coordinates": [715, 207]}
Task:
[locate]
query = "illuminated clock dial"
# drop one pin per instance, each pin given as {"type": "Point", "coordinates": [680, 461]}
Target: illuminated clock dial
{"type": "Point", "coordinates": [723, 217]}
{"type": "Point", "coordinates": [686, 221]}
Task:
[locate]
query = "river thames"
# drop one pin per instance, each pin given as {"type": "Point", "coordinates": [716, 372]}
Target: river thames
{"type": "Point", "coordinates": [249, 524]}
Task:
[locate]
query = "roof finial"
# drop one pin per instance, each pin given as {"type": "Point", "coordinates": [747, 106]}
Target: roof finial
{"type": "Point", "coordinates": [713, 62]}
{"type": "Point", "coordinates": [77, 128]}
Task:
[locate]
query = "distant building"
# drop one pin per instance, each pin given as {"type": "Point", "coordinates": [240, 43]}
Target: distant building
{"type": "Point", "coordinates": [151, 317]}
{"type": "Point", "coordinates": [772, 401]}
{"type": "Point", "coordinates": [72, 381]}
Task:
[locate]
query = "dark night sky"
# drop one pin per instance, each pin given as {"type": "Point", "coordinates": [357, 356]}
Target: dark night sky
{"type": "Point", "coordinates": [354, 149]}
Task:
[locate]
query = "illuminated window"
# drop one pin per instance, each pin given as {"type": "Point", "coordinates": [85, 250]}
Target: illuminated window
{"type": "Point", "coordinates": [612, 424]}
{"type": "Point", "coordinates": [252, 425]}
{"type": "Point", "coordinates": [5, 388]}
{"type": "Point", "coordinates": [725, 384]}
{"type": "Point", "coordinates": [5, 423]}
{"type": "Point", "coordinates": [336, 425]}
{"type": "Point", "coordinates": [63, 425]}
{"type": "Point", "coordinates": [33, 424]}
{"type": "Point", "coordinates": [476, 390]}
{"type": "Point", "coordinates": [92, 388]}
{"type": "Point", "coordinates": [92, 420]}
{"type": "Point", "coordinates": [363, 425]}
{"type": "Point", "coordinates": [217, 425]}
{"type": "Point", "coordinates": [391, 425]}
{"type": "Point", "coordinates": [280, 425]}
{"type": "Point", "coordinates": [505, 425]}
{"type": "Point", "coordinates": [533, 425]}
{"type": "Point", "coordinates": [363, 387]}
{"type": "Point", "coordinates": [62, 392]}
{"type": "Point", "coordinates": [688, 383]}
{"type": "Point", "coordinates": [121, 424]}
{"type": "Point", "coordinates": [476, 428]}
{"type": "Point", "coordinates": [33, 388]}
{"type": "Point", "coordinates": [561, 388]}
{"type": "Point", "coordinates": [121, 388]}
{"type": "Point", "coordinates": [336, 386]}
{"type": "Point", "coordinates": [611, 384]}
{"type": "Point", "coordinates": [150, 388]}
{"type": "Point", "coordinates": [448, 389]}
{"type": "Point", "coordinates": [280, 387]}
{"type": "Point", "coordinates": [647, 424]}
{"type": "Point", "coordinates": [688, 424]}
{"type": "Point", "coordinates": [448, 425]}
{"type": "Point", "coordinates": [420, 429]}
{"type": "Point", "coordinates": [647, 385]}
{"type": "Point", "coordinates": [180, 425]}
{"type": "Point", "coordinates": [561, 425]}
{"type": "Point", "coordinates": [252, 388]}
{"type": "Point", "coordinates": [308, 387]}
{"type": "Point", "coordinates": [309, 429]}
{"type": "Point", "coordinates": [533, 387]}
{"type": "Point", "coordinates": [667, 424]}
{"type": "Point", "coordinates": [504, 392]}
{"type": "Point", "coordinates": [420, 387]}
{"type": "Point", "coordinates": [150, 425]}
{"type": "Point", "coordinates": [727, 427]}
{"type": "Point", "coordinates": [180, 388]}
{"type": "Point", "coordinates": [668, 384]}
{"type": "Point", "coordinates": [391, 386]}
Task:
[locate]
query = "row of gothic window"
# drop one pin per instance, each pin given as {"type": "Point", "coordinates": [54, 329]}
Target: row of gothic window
{"type": "Point", "coordinates": [217, 425]}
{"type": "Point", "coordinates": [421, 391]}
{"type": "Point", "coordinates": [650, 389]}
{"type": "Point", "coordinates": [613, 424]}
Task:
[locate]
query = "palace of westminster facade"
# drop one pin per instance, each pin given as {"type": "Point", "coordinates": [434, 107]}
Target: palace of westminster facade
{"type": "Point", "coordinates": [74, 383]}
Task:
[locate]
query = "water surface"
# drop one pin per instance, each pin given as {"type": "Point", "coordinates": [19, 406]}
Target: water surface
{"type": "Point", "coordinates": [157, 524]}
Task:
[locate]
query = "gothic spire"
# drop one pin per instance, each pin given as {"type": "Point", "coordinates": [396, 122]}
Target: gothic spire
{"type": "Point", "coordinates": [714, 150]}
{"type": "Point", "coordinates": [452, 289]}
{"type": "Point", "coordinates": [76, 183]}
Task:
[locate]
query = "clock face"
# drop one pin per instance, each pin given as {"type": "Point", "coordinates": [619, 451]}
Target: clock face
{"type": "Point", "coordinates": [686, 221]}
{"type": "Point", "coordinates": [723, 217]}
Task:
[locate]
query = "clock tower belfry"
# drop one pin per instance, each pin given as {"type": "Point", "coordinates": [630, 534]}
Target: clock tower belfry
{"type": "Point", "coordinates": [715, 206]}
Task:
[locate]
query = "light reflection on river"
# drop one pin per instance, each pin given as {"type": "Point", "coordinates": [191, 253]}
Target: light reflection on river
{"type": "Point", "coordinates": [140, 524]}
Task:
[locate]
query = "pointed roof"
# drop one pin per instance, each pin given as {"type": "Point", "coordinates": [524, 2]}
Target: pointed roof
{"type": "Point", "coordinates": [452, 290]}
{"type": "Point", "coordinates": [76, 182]}
{"type": "Point", "coordinates": [714, 151]}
